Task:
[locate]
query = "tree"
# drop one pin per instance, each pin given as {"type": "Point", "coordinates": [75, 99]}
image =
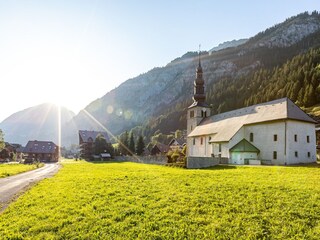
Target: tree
{"type": "Point", "coordinates": [140, 146]}
{"type": "Point", "coordinates": [131, 143]}
{"type": "Point", "coordinates": [178, 134]}
{"type": "Point", "coordinates": [100, 144]}
{"type": "Point", "coordinates": [2, 144]}
{"type": "Point", "coordinates": [124, 143]}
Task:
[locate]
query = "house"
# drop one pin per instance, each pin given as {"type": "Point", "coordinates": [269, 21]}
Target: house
{"type": "Point", "coordinates": [276, 132]}
{"type": "Point", "coordinates": [159, 149]}
{"type": "Point", "coordinates": [43, 151]}
{"type": "Point", "coordinates": [177, 144]}
{"type": "Point", "coordinates": [87, 142]}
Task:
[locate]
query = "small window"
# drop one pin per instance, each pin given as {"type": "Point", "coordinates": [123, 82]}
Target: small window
{"type": "Point", "coordinates": [191, 127]}
{"type": "Point", "coordinates": [219, 147]}
{"type": "Point", "coordinates": [201, 141]}
{"type": "Point", "coordinates": [308, 154]}
{"type": "Point", "coordinates": [191, 114]}
{"type": "Point", "coordinates": [308, 139]}
{"type": "Point", "coordinates": [194, 141]}
{"type": "Point", "coordinates": [274, 154]}
{"type": "Point", "coordinates": [251, 137]}
{"type": "Point", "coordinates": [210, 138]}
{"type": "Point", "coordinates": [203, 114]}
{"type": "Point", "coordinates": [295, 138]}
{"type": "Point", "coordinates": [296, 154]}
{"type": "Point", "coordinates": [275, 137]}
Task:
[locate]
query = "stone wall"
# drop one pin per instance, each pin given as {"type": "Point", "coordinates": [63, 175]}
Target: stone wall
{"type": "Point", "coordinates": [160, 160]}
{"type": "Point", "coordinates": [202, 162]}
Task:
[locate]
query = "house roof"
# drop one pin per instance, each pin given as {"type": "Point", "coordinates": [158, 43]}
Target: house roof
{"type": "Point", "coordinates": [224, 126]}
{"type": "Point", "coordinates": [244, 146]}
{"type": "Point", "coordinates": [86, 135]}
{"type": "Point", "coordinates": [40, 147]}
{"type": "Point", "coordinates": [162, 147]}
{"type": "Point", "coordinates": [180, 141]}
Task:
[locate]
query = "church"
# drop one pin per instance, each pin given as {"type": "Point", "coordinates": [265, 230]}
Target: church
{"type": "Point", "coordinates": [273, 133]}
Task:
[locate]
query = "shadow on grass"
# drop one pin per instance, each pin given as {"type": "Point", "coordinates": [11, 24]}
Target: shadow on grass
{"type": "Point", "coordinates": [219, 167]}
{"type": "Point", "coordinates": [305, 165]}
{"type": "Point", "coordinates": [106, 161]}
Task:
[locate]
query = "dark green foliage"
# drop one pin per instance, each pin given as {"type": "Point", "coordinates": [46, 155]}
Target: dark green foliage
{"type": "Point", "coordinates": [131, 143]}
{"type": "Point", "coordinates": [124, 143]}
{"type": "Point", "coordinates": [102, 146]}
{"type": "Point", "coordinates": [140, 146]}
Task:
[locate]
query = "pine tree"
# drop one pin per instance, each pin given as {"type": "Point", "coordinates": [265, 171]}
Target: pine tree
{"type": "Point", "coordinates": [140, 146]}
{"type": "Point", "coordinates": [100, 144]}
{"type": "Point", "coordinates": [124, 143]}
{"type": "Point", "coordinates": [131, 143]}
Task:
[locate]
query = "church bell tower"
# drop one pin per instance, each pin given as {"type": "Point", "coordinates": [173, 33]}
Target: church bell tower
{"type": "Point", "coordinates": [199, 109]}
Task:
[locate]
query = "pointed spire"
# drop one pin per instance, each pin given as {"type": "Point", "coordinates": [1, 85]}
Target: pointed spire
{"type": "Point", "coordinates": [199, 55]}
{"type": "Point", "coordinates": [199, 96]}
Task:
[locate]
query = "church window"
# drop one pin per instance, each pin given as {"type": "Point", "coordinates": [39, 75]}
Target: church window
{"type": "Point", "coordinates": [296, 154]}
{"type": "Point", "coordinates": [219, 147]}
{"type": "Point", "coordinates": [296, 138]}
{"type": "Point", "coordinates": [308, 154]}
{"type": "Point", "coordinates": [275, 155]}
{"type": "Point", "coordinates": [191, 114]}
{"type": "Point", "coordinates": [251, 137]}
{"type": "Point", "coordinates": [201, 141]}
{"type": "Point", "coordinates": [194, 141]}
{"type": "Point", "coordinates": [191, 127]}
{"type": "Point", "coordinates": [275, 137]}
{"type": "Point", "coordinates": [203, 113]}
{"type": "Point", "coordinates": [308, 139]}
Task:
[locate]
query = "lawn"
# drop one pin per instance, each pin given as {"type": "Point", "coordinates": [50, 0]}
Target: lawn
{"type": "Point", "coordinates": [7, 170]}
{"type": "Point", "coordinates": [137, 201]}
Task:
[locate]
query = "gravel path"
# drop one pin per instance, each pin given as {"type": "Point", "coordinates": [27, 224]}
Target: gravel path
{"type": "Point", "coordinates": [10, 187]}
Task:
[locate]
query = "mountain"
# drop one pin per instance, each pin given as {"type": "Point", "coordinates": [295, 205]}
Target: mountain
{"type": "Point", "coordinates": [158, 99]}
{"type": "Point", "coordinates": [35, 123]}
{"type": "Point", "coordinates": [228, 44]}
{"type": "Point", "coordinates": [282, 61]}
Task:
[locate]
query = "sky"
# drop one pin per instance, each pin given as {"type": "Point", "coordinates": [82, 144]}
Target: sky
{"type": "Point", "coordinates": [71, 52]}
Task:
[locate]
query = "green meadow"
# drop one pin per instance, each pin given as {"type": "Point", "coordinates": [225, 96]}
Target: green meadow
{"type": "Point", "coordinates": [7, 170]}
{"type": "Point", "coordinates": [138, 201]}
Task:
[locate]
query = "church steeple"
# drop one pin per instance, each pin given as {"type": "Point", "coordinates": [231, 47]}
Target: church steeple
{"type": "Point", "coordinates": [199, 96]}
{"type": "Point", "coordinates": [199, 109]}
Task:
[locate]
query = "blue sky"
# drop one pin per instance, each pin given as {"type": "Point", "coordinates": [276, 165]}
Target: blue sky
{"type": "Point", "coordinates": [73, 51]}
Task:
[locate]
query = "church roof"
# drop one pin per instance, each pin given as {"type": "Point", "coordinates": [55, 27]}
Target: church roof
{"type": "Point", "coordinates": [244, 146]}
{"type": "Point", "coordinates": [225, 125]}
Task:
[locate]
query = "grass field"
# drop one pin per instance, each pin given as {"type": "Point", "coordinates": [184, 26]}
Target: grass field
{"type": "Point", "coordinates": [137, 201]}
{"type": "Point", "coordinates": [7, 170]}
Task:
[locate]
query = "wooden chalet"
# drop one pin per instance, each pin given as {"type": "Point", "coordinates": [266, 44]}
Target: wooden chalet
{"type": "Point", "coordinates": [87, 142]}
{"type": "Point", "coordinates": [43, 151]}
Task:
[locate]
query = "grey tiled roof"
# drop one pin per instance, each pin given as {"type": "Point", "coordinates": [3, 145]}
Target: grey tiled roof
{"type": "Point", "coordinates": [40, 147]}
{"type": "Point", "coordinates": [85, 135]}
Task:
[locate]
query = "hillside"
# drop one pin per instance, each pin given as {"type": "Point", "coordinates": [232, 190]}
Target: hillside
{"type": "Point", "coordinates": [35, 123]}
{"type": "Point", "coordinates": [278, 62]}
{"type": "Point", "coordinates": [158, 99]}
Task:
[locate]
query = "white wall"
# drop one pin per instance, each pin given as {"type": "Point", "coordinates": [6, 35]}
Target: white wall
{"type": "Point", "coordinates": [302, 130]}
{"type": "Point", "coordinates": [263, 139]}
{"type": "Point", "coordinates": [198, 149]}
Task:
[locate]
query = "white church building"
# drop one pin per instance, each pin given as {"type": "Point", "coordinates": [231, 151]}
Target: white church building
{"type": "Point", "coordinates": [276, 132]}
